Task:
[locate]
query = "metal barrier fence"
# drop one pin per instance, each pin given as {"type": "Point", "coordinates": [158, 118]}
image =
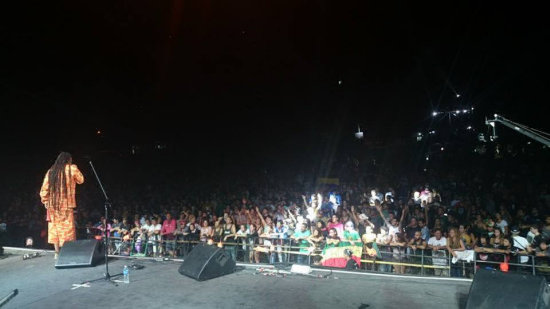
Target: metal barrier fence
{"type": "Point", "coordinates": [419, 261]}
{"type": "Point", "coordinates": [397, 259]}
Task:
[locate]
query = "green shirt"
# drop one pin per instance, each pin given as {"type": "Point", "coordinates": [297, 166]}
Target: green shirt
{"type": "Point", "coordinates": [353, 235]}
{"type": "Point", "coordinates": [304, 244]}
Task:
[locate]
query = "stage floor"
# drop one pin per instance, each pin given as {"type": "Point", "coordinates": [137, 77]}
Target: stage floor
{"type": "Point", "coordinates": [159, 285]}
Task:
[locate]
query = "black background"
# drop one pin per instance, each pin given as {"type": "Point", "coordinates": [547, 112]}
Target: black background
{"type": "Point", "coordinates": [250, 78]}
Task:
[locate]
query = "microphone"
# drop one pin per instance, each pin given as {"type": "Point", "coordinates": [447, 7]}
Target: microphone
{"type": "Point", "coordinates": [87, 157]}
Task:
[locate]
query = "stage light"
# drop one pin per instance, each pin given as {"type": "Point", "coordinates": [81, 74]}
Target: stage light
{"type": "Point", "coordinates": [427, 158]}
{"type": "Point", "coordinates": [426, 196]}
{"type": "Point", "coordinates": [432, 132]}
{"type": "Point", "coordinates": [359, 133]}
{"type": "Point", "coordinates": [98, 132]}
{"type": "Point", "coordinates": [434, 114]}
{"type": "Point", "coordinates": [458, 112]}
{"type": "Point", "coordinates": [419, 137]}
{"type": "Point", "coordinates": [464, 111]}
{"type": "Point", "coordinates": [469, 128]}
{"type": "Point", "coordinates": [442, 148]}
{"type": "Point", "coordinates": [458, 95]}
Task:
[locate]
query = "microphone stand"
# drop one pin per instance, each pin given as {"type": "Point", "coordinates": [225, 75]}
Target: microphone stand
{"type": "Point", "coordinates": [106, 239]}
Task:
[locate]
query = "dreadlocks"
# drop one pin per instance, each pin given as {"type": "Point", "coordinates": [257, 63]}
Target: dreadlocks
{"type": "Point", "coordinates": [58, 178]}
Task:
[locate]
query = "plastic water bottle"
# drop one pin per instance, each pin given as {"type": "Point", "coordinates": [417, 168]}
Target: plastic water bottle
{"type": "Point", "coordinates": [126, 273]}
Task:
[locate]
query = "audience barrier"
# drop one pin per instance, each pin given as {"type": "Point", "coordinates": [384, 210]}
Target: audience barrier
{"type": "Point", "coordinates": [391, 258]}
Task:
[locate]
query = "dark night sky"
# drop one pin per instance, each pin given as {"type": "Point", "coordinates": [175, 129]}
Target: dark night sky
{"type": "Point", "coordinates": [264, 74]}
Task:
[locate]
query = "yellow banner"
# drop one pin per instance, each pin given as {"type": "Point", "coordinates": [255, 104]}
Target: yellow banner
{"type": "Point", "coordinates": [329, 181]}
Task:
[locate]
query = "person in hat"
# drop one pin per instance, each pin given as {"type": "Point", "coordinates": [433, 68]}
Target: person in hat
{"type": "Point", "coordinates": [351, 264]}
{"type": "Point", "coordinates": [521, 245]}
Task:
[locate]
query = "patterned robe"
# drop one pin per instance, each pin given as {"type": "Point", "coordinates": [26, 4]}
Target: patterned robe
{"type": "Point", "coordinates": [61, 227]}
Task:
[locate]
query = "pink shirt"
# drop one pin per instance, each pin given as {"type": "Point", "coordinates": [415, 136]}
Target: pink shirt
{"type": "Point", "coordinates": [102, 229]}
{"type": "Point", "coordinates": [338, 226]}
{"type": "Point", "coordinates": [168, 227]}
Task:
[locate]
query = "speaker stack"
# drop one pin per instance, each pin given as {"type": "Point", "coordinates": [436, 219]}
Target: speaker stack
{"type": "Point", "coordinates": [495, 289]}
{"type": "Point", "coordinates": [80, 253]}
{"type": "Point", "coordinates": [206, 262]}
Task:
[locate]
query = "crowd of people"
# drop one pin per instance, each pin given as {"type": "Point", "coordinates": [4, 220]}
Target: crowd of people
{"type": "Point", "coordinates": [380, 227]}
{"type": "Point", "coordinates": [498, 215]}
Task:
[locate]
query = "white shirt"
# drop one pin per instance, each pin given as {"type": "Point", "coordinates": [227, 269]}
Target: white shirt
{"type": "Point", "coordinates": [383, 239]}
{"type": "Point", "coordinates": [530, 237]}
{"type": "Point", "coordinates": [334, 203]}
{"type": "Point", "coordinates": [521, 243]}
{"type": "Point", "coordinates": [438, 242]}
{"type": "Point", "coordinates": [243, 241]}
{"type": "Point", "coordinates": [310, 213]}
{"type": "Point", "coordinates": [378, 197]}
{"type": "Point", "coordinates": [278, 216]}
{"type": "Point", "coordinates": [153, 228]}
{"type": "Point", "coordinates": [502, 225]}
{"type": "Point", "coordinates": [392, 230]}
{"type": "Point", "coordinates": [435, 242]}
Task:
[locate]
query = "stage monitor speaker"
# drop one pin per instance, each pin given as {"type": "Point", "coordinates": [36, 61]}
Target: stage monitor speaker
{"type": "Point", "coordinates": [80, 253]}
{"type": "Point", "coordinates": [206, 262]}
{"type": "Point", "coordinates": [495, 289]}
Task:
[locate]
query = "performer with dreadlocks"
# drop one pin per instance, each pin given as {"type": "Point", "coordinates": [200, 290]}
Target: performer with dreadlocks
{"type": "Point", "coordinates": [58, 195]}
